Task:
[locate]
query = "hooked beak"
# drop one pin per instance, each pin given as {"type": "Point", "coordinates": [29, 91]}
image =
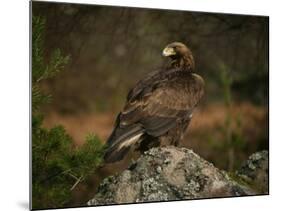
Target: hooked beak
{"type": "Point", "coordinates": [168, 51]}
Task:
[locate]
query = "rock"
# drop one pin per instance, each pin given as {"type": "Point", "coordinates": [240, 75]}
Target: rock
{"type": "Point", "coordinates": [255, 172]}
{"type": "Point", "coordinates": [172, 173]}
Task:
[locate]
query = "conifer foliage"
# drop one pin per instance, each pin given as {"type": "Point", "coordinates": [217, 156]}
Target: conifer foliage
{"type": "Point", "coordinates": [57, 166]}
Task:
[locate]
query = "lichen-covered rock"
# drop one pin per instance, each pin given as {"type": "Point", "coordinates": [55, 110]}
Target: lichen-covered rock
{"type": "Point", "coordinates": [168, 173]}
{"type": "Point", "coordinates": [255, 172]}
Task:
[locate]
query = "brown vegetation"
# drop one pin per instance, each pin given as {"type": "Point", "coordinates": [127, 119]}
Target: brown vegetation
{"type": "Point", "coordinates": [204, 133]}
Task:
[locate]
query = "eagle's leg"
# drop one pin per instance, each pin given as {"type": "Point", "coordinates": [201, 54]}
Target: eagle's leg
{"type": "Point", "coordinates": [181, 132]}
{"type": "Point", "coordinates": [147, 143]}
{"type": "Point", "coordinates": [177, 142]}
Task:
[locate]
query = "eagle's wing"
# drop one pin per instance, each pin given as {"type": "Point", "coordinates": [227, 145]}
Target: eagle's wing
{"type": "Point", "coordinates": [153, 108]}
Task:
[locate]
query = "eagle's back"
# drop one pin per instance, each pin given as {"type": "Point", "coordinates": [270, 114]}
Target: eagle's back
{"type": "Point", "coordinates": [158, 109]}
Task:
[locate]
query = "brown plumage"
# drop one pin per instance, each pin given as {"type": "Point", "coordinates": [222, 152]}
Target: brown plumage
{"type": "Point", "coordinates": [159, 108]}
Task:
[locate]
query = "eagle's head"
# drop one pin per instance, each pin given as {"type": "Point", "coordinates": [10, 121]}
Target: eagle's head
{"type": "Point", "coordinates": [180, 55]}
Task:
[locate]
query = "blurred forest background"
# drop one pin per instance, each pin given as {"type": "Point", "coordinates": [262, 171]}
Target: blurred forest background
{"type": "Point", "coordinates": [111, 48]}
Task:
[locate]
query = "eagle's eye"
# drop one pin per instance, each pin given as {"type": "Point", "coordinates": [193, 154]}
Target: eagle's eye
{"type": "Point", "coordinates": [178, 48]}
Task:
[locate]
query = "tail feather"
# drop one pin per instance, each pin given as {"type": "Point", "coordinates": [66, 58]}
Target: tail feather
{"type": "Point", "coordinates": [112, 156]}
{"type": "Point", "coordinates": [119, 144]}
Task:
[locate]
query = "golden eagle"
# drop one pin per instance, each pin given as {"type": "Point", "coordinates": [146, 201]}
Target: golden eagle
{"type": "Point", "coordinates": [159, 108]}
